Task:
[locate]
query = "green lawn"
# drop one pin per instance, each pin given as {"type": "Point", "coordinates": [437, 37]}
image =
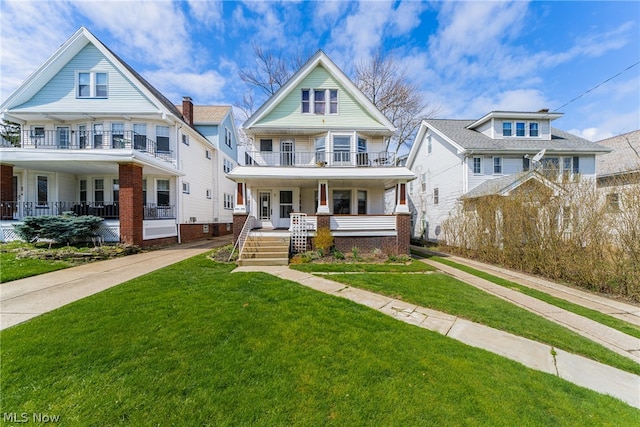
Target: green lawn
{"type": "Point", "coordinates": [412, 266]}
{"type": "Point", "coordinates": [444, 293]}
{"type": "Point", "coordinates": [12, 268]}
{"type": "Point", "coordinates": [192, 344]}
{"type": "Point", "coordinates": [594, 315]}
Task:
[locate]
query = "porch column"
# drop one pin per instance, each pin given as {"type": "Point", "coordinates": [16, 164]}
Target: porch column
{"type": "Point", "coordinates": [402, 205]}
{"type": "Point", "coordinates": [7, 198]}
{"type": "Point", "coordinates": [323, 197]}
{"type": "Point", "coordinates": [241, 198]}
{"type": "Point", "coordinates": [131, 208]}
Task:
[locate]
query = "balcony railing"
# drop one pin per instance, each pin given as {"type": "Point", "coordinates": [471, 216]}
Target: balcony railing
{"type": "Point", "coordinates": [18, 210]}
{"type": "Point", "coordinates": [320, 159]}
{"type": "Point", "coordinates": [63, 139]}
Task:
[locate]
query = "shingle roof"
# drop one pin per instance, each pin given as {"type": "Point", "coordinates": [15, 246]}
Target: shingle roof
{"type": "Point", "coordinates": [504, 184]}
{"type": "Point", "coordinates": [457, 131]}
{"type": "Point", "coordinates": [207, 114]}
{"type": "Point", "coordinates": [625, 156]}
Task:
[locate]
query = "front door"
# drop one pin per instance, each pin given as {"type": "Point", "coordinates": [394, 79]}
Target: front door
{"type": "Point", "coordinates": [62, 136]}
{"type": "Point", "coordinates": [264, 209]}
{"type": "Point", "coordinates": [287, 152]}
{"type": "Point", "coordinates": [286, 207]}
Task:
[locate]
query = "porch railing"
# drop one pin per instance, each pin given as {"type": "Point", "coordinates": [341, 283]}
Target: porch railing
{"type": "Point", "coordinates": [320, 159]}
{"type": "Point", "coordinates": [249, 224]}
{"type": "Point", "coordinates": [91, 140]}
{"type": "Point", "coordinates": [19, 210]}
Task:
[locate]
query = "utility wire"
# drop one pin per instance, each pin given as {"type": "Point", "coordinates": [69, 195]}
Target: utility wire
{"type": "Point", "coordinates": [597, 86]}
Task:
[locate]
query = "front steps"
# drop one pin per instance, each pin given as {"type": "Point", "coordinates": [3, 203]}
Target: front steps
{"type": "Point", "coordinates": [265, 250]}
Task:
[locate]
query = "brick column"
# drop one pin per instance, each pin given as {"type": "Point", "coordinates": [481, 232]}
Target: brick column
{"type": "Point", "coordinates": [131, 209]}
{"type": "Point", "coordinates": [238, 223]}
{"type": "Point", "coordinates": [7, 198]}
{"type": "Point", "coordinates": [403, 227]}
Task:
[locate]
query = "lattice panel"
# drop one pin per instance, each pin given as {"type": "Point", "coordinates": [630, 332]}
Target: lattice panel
{"type": "Point", "coordinates": [299, 232]}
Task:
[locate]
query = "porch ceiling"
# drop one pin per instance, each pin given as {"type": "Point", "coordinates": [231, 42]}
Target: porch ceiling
{"type": "Point", "coordinates": [81, 162]}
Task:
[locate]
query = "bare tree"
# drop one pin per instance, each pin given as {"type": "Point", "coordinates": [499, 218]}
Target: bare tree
{"type": "Point", "coordinates": [382, 80]}
{"type": "Point", "coordinates": [9, 133]}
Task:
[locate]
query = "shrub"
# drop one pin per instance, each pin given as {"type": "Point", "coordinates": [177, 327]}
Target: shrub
{"type": "Point", "coordinates": [355, 251]}
{"type": "Point", "coordinates": [324, 239]}
{"type": "Point", "coordinates": [62, 229]}
{"type": "Point", "coordinates": [338, 255]}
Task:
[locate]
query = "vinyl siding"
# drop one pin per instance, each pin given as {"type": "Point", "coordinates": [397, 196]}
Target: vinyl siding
{"type": "Point", "coordinates": [351, 115]}
{"type": "Point", "coordinates": [59, 94]}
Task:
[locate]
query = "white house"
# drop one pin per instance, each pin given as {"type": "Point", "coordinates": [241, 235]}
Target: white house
{"type": "Point", "coordinates": [470, 159]}
{"type": "Point", "coordinates": [618, 172]}
{"type": "Point", "coordinates": [318, 149]}
{"type": "Point", "coordinates": [96, 138]}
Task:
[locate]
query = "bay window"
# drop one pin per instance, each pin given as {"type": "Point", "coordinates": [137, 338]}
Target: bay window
{"type": "Point", "coordinates": [342, 149]}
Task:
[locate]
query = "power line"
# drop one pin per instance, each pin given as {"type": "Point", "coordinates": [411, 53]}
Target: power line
{"type": "Point", "coordinates": [597, 86]}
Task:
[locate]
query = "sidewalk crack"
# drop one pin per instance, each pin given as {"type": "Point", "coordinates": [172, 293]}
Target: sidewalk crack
{"type": "Point", "coordinates": [554, 353]}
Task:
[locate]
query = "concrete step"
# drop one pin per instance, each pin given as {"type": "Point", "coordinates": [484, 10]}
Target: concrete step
{"type": "Point", "coordinates": [266, 248]}
{"type": "Point", "coordinates": [263, 261]}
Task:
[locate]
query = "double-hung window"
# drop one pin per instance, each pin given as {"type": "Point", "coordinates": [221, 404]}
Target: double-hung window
{"type": "Point", "coordinates": [117, 135]}
{"type": "Point", "coordinates": [477, 165]}
{"type": "Point", "coordinates": [43, 190]}
{"type": "Point", "coordinates": [98, 191]}
{"type": "Point", "coordinates": [534, 129]}
{"type": "Point", "coordinates": [92, 84]}
{"type": "Point", "coordinates": [319, 101]}
{"type": "Point", "coordinates": [306, 101]}
{"type": "Point", "coordinates": [342, 149]}
{"type": "Point", "coordinates": [497, 165]}
{"type": "Point", "coordinates": [333, 101]}
{"type": "Point", "coordinates": [320, 149]}
{"type": "Point", "coordinates": [520, 129]}
{"type": "Point", "coordinates": [162, 192]}
{"type": "Point", "coordinates": [323, 101]}
{"type": "Point", "coordinates": [162, 139]}
{"type": "Point", "coordinates": [506, 128]}
{"type": "Point", "coordinates": [227, 137]}
{"type": "Point", "coordinates": [140, 136]}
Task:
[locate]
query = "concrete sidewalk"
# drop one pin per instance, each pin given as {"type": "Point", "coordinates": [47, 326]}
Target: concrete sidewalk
{"type": "Point", "coordinates": [23, 299]}
{"type": "Point", "coordinates": [576, 369]}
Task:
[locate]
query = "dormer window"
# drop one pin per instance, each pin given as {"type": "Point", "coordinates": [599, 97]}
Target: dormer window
{"type": "Point", "coordinates": [319, 98]}
{"type": "Point", "coordinates": [92, 85]}
{"type": "Point", "coordinates": [533, 129]}
{"type": "Point", "coordinates": [520, 128]}
{"type": "Point", "coordinates": [506, 128]}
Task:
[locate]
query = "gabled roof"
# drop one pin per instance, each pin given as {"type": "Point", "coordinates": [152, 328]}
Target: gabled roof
{"type": "Point", "coordinates": [70, 48]}
{"type": "Point", "coordinates": [504, 185]}
{"type": "Point", "coordinates": [319, 58]}
{"type": "Point", "coordinates": [459, 134]}
{"type": "Point", "coordinates": [624, 157]}
{"type": "Point", "coordinates": [208, 114]}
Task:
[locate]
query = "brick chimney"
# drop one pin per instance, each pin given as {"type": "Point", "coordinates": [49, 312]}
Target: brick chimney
{"type": "Point", "coordinates": [187, 110]}
{"type": "Point", "coordinates": [544, 110]}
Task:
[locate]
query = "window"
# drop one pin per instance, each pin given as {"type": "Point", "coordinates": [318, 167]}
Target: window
{"type": "Point", "coordinates": [162, 139]}
{"type": "Point", "coordinates": [550, 166]}
{"type": "Point", "coordinates": [424, 182]}
{"type": "Point", "coordinates": [333, 101]}
{"type": "Point", "coordinates": [266, 145]}
{"type": "Point", "coordinates": [436, 196]}
{"type": "Point", "coordinates": [140, 136]}
{"type": "Point", "coordinates": [227, 137]}
{"type": "Point", "coordinates": [318, 101]}
{"type": "Point", "coordinates": [116, 190]}
{"type": "Point", "coordinates": [363, 156]}
{"type": "Point", "coordinates": [98, 191]}
{"type": "Point", "coordinates": [613, 202]}
{"type": "Point", "coordinates": [306, 99]}
{"type": "Point", "coordinates": [207, 154]}
{"type": "Point", "coordinates": [320, 149]}
{"type": "Point", "coordinates": [227, 165]}
{"type": "Point", "coordinates": [37, 133]}
{"type": "Point", "coordinates": [186, 188]}
{"type": "Point", "coordinates": [533, 129]}
{"type": "Point", "coordinates": [162, 192]}
{"type": "Point", "coordinates": [83, 191]}
{"type": "Point", "coordinates": [82, 136]}
{"type": "Point", "coordinates": [144, 192]}
{"type": "Point", "coordinates": [520, 129]}
{"type": "Point", "coordinates": [43, 190]}
{"type": "Point", "coordinates": [92, 85]}
{"type": "Point", "coordinates": [97, 135]}
{"type": "Point", "coordinates": [342, 149]}
{"type": "Point", "coordinates": [506, 128]}
{"type": "Point", "coordinates": [362, 202]}
{"type": "Point", "coordinates": [117, 135]}
{"type": "Point", "coordinates": [228, 201]}
{"type": "Point", "coordinates": [429, 145]}
{"type": "Point", "coordinates": [341, 201]}
{"type": "Point", "coordinates": [286, 203]}
{"type": "Point", "coordinates": [185, 139]}
{"type": "Point", "coordinates": [477, 165]}
{"type": "Point", "coordinates": [576, 165]}
{"type": "Point", "coordinates": [208, 192]}
{"type": "Point", "coordinates": [497, 165]}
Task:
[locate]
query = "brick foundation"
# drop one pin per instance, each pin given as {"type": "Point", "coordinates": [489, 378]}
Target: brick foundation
{"type": "Point", "coordinates": [165, 241]}
{"type": "Point", "coordinates": [387, 244]}
{"type": "Point", "coordinates": [238, 223]}
{"type": "Point", "coordinates": [191, 232]}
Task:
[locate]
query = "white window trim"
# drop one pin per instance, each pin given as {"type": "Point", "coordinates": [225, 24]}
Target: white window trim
{"type": "Point", "coordinates": [327, 101]}
{"type": "Point", "coordinates": [208, 193]}
{"type": "Point", "coordinates": [186, 188]}
{"type": "Point", "coordinates": [92, 84]}
{"type": "Point", "coordinates": [473, 160]}
{"type": "Point", "coordinates": [493, 166]}
{"type": "Point", "coordinates": [207, 154]}
{"type": "Point", "coordinates": [185, 139]}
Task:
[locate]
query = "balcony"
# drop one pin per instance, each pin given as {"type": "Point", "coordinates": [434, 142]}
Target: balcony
{"type": "Point", "coordinates": [18, 210]}
{"type": "Point", "coordinates": [320, 159]}
{"type": "Point", "coordinates": [63, 139]}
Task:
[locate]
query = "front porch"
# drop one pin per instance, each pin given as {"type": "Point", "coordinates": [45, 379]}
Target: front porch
{"type": "Point", "coordinates": [19, 210]}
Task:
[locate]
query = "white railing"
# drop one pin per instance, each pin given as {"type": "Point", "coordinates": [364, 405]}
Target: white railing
{"type": "Point", "coordinates": [320, 159]}
{"type": "Point", "coordinates": [242, 237]}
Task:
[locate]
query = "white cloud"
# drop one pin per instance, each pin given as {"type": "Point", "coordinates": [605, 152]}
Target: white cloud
{"type": "Point", "coordinates": [27, 41]}
{"type": "Point", "coordinates": [207, 12]}
{"type": "Point", "coordinates": [204, 88]}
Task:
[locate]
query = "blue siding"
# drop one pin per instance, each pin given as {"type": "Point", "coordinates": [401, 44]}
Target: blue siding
{"type": "Point", "coordinates": [59, 94]}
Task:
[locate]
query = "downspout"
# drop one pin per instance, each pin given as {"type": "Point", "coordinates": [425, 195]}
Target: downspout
{"type": "Point", "coordinates": [179, 184]}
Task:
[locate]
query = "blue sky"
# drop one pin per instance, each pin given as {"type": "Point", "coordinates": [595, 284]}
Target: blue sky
{"type": "Point", "coordinates": [467, 58]}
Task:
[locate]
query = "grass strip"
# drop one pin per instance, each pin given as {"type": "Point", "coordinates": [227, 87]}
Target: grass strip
{"type": "Point", "coordinates": [192, 344]}
{"type": "Point", "coordinates": [412, 267]}
{"type": "Point", "coordinates": [444, 293]}
{"type": "Point", "coordinates": [14, 268]}
{"type": "Point", "coordinates": [594, 315]}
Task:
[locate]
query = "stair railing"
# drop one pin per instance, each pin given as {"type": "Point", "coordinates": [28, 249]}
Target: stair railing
{"type": "Point", "coordinates": [242, 237]}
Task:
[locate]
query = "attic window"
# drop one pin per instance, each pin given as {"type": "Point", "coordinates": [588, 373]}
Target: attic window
{"type": "Point", "coordinates": [319, 98]}
{"type": "Point", "coordinates": [92, 85]}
